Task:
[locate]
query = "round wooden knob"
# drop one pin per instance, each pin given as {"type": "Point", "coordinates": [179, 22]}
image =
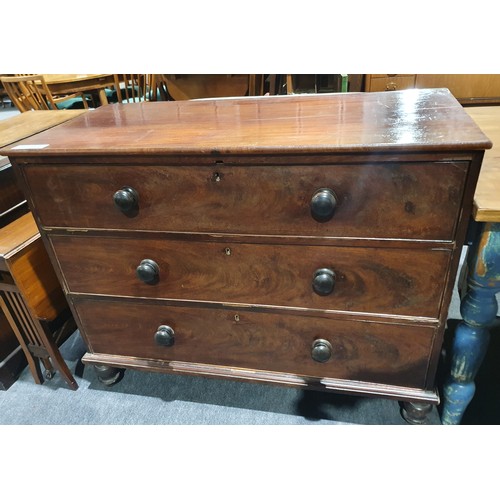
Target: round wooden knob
{"type": "Point", "coordinates": [148, 271]}
{"type": "Point", "coordinates": [321, 350]}
{"type": "Point", "coordinates": [165, 335]}
{"type": "Point", "coordinates": [323, 281]}
{"type": "Point", "coordinates": [323, 204]}
{"type": "Point", "coordinates": [126, 199]}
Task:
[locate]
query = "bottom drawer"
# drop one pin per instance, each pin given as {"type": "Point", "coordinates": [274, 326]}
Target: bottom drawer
{"type": "Point", "coordinates": [269, 341]}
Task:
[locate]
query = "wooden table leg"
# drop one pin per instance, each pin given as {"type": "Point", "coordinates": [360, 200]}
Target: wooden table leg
{"type": "Point", "coordinates": [479, 308]}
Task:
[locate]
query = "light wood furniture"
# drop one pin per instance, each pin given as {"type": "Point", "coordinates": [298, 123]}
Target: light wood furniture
{"type": "Point", "coordinates": [30, 93]}
{"type": "Point", "coordinates": [26, 124]}
{"type": "Point", "coordinates": [487, 195]}
{"type": "Point", "coordinates": [479, 305]}
{"type": "Point", "coordinates": [61, 84]}
{"type": "Point", "coordinates": [468, 89]}
{"type": "Point", "coordinates": [307, 240]}
{"type": "Point", "coordinates": [13, 206]}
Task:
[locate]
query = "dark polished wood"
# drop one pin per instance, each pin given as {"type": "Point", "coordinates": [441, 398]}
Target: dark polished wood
{"type": "Point", "coordinates": [12, 358]}
{"type": "Point", "coordinates": [375, 199]}
{"type": "Point", "coordinates": [349, 122]}
{"type": "Point", "coordinates": [366, 351]}
{"type": "Point", "coordinates": [11, 195]}
{"type": "Point", "coordinates": [370, 280]}
{"type": "Point", "coordinates": [308, 240]}
{"type": "Point", "coordinates": [415, 413]}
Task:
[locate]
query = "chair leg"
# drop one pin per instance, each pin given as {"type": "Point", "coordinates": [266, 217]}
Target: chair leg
{"type": "Point", "coordinates": [33, 363]}
{"type": "Point", "coordinates": [56, 357]}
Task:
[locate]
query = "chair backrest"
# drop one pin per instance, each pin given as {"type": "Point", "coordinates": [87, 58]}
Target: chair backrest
{"type": "Point", "coordinates": [28, 92]}
{"type": "Point", "coordinates": [133, 88]}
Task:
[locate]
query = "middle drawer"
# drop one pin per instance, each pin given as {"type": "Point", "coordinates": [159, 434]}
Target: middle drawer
{"type": "Point", "coordinates": [368, 280]}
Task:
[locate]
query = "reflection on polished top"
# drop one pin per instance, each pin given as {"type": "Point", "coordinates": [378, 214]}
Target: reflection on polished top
{"type": "Point", "coordinates": [323, 123]}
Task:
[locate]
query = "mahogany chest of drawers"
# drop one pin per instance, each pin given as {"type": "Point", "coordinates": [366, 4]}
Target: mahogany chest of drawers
{"type": "Point", "coordinates": [307, 240]}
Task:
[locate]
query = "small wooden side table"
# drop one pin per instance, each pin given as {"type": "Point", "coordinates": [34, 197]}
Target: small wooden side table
{"type": "Point", "coordinates": [12, 206]}
{"type": "Point", "coordinates": [32, 299]}
{"type": "Point", "coordinates": [479, 305]}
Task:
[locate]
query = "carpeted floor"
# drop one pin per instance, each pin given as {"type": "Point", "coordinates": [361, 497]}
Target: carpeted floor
{"type": "Point", "coordinates": [152, 398]}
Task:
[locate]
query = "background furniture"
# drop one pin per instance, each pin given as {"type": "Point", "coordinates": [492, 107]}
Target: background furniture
{"type": "Point", "coordinates": [479, 306]}
{"type": "Point", "coordinates": [296, 84]}
{"type": "Point", "coordinates": [133, 88]}
{"type": "Point", "coordinates": [30, 92]}
{"type": "Point", "coordinates": [275, 253]}
{"type": "Point", "coordinates": [183, 87]}
{"type": "Point", "coordinates": [468, 89]}
{"type": "Point", "coordinates": [381, 83]}
{"type": "Point", "coordinates": [13, 206]}
{"type": "Point", "coordinates": [61, 84]}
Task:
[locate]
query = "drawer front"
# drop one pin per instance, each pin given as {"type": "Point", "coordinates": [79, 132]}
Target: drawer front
{"type": "Point", "coordinates": [372, 352]}
{"type": "Point", "coordinates": [418, 200]}
{"type": "Point", "coordinates": [391, 82]}
{"type": "Point", "coordinates": [373, 280]}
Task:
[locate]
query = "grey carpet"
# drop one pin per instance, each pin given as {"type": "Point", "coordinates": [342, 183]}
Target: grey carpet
{"type": "Point", "coordinates": [152, 398]}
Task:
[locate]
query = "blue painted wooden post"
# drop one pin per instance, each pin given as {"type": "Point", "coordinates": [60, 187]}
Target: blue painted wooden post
{"type": "Point", "coordinates": [478, 308]}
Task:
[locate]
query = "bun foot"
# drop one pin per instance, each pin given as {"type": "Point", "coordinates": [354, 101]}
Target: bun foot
{"type": "Point", "coordinates": [416, 413]}
{"type": "Point", "coordinates": [108, 375]}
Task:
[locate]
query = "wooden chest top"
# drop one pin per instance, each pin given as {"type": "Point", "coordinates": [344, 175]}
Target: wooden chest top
{"type": "Point", "coordinates": [413, 120]}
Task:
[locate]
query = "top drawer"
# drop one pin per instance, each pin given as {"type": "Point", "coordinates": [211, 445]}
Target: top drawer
{"type": "Point", "coordinates": [379, 200]}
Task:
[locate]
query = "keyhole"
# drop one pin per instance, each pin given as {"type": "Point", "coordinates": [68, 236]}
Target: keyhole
{"type": "Point", "coordinates": [216, 177]}
{"type": "Point", "coordinates": [227, 251]}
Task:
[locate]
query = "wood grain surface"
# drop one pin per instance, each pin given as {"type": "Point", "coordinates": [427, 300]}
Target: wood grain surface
{"type": "Point", "coordinates": [487, 195]}
{"type": "Point", "coordinates": [17, 235]}
{"type": "Point", "coordinates": [37, 281]}
{"type": "Point", "coordinates": [23, 255]}
{"type": "Point", "coordinates": [376, 200]}
{"type": "Point", "coordinates": [372, 352]}
{"type": "Point", "coordinates": [411, 120]}
{"type": "Point", "coordinates": [27, 124]}
{"type": "Point", "coordinates": [384, 281]}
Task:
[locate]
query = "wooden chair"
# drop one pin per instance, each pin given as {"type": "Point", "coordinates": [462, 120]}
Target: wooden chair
{"type": "Point", "coordinates": [30, 92]}
{"type": "Point", "coordinates": [133, 88]}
